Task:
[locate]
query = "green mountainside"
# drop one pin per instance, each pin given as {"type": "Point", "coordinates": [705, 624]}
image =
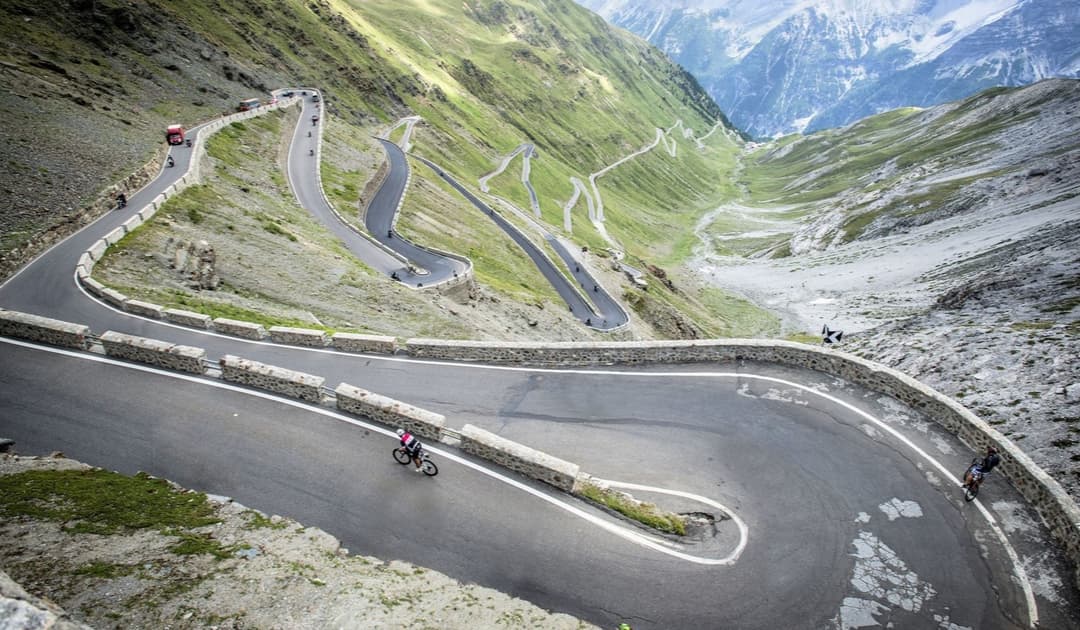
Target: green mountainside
{"type": "Point", "coordinates": [94, 83]}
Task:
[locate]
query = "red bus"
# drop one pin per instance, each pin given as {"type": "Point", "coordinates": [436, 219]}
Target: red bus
{"type": "Point", "coordinates": [174, 134]}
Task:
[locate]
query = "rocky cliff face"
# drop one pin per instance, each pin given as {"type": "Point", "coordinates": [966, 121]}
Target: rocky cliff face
{"type": "Point", "coordinates": [803, 66]}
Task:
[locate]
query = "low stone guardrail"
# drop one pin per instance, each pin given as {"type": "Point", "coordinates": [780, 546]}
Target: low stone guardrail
{"type": "Point", "coordinates": [1043, 492]}
{"type": "Point", "coordinates": [145, 309]}
{"type": "Point", "coordinates": [352, 342]}
{"type": "Point", "coordinates": [186, 318]}
{"type": "Point", "coordinates": [44, 330]}
{"type": "Point", "coordinates": [237, 328]}
{"type": "Point", "coordinates": [349, 398]}
{"type": "Point", "coordinates": [154, 352]}
{"type": "Point", "coordinates": [523, 459]}
{"type": "Point", "coordinates": [298, 336]}
{"type": "Point", "coordinates": [361, 402]}
{"type": "Point", "coordinates": [270, 377]}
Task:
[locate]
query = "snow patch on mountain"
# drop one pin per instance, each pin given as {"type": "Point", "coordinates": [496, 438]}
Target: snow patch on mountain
{"type": "Point", "coordinates": [931, 35]}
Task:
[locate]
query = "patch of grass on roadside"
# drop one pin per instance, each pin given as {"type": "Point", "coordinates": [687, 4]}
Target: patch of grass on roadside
{"type": "Point", "coordinates": [261, 521]}
{"type": "Point", "coordinates": [102, 502]}
{"type": "Point", "coordinates": [806, 338]}
{"type": "Point", "coordinates": [645, 513]}
{"type": "Point", "coordinates": [105, 570]}
{"type": "Point", "coordinates": [192, 543]}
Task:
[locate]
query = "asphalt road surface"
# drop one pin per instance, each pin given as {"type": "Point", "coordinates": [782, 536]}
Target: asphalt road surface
{"type": "Point", "coordinates": [603, 312]}
{"type": "Point", "coordinates": [850, 501]}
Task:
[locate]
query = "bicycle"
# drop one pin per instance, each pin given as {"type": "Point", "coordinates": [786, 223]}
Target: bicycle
{"type": "Point", "coordinates": [402, 457]}
{"type": "Point", "coordinates": [971, 489]}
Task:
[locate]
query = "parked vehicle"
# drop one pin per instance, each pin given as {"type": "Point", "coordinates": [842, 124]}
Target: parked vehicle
{"type": "Point", "coordinates": [174, 134]}
{"type": "Point", "coordinates": [245, 105]}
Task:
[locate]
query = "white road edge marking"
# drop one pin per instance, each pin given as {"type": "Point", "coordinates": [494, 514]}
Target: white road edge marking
{"type": "Point", "coordinates": [1018, 568]}
{"type": "Point", "coordinates": [744, 531]}
{"type": "Point", "coordinates": [622, 532]}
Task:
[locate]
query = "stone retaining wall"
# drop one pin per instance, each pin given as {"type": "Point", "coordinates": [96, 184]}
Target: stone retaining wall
{"type": "Point", "coordinates": [154, 352]}
{"type": "Point", "coordinates": [247, 330]}
{"type": "Point", "coordinates": [44, 330]}
{"type": "Point", "coordinates": [1042, 491]}
{"type": "Point", "coordinates": [361, 402]}
{"type": "Point", "coordinates": [351, 342]}
{"type": "Point", "coordinates": [298, 336]}
{"type": "Point", "coordinates": [145, 309]}
{"type": "Point", "coordinates": [186, 318]}
{"type": "Point", "coordinates": [527, 461]}
{"type": "Point", "coordinates": [272, 378]}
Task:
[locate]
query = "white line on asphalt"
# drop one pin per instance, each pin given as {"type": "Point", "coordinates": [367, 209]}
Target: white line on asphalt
{"type": "Point", "coordinates": [617, 530]}
{"type": "Point", "coordinates": [1020, 573]}
{"type": "Point", "coordinates": [744, 531]}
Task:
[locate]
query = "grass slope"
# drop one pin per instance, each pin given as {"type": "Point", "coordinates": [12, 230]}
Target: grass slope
{"type": "Point", "coordinates": [484, 76]}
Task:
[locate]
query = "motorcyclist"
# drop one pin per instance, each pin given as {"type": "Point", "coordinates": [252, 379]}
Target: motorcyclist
{"type": "Point", "coordinates": [170, 162]}
{"type": "Point", "coordinates": [412, 446]}
{"type": "Point", "coordinates": [982, 467]}
{"type": "Point", "coordinates": [121, 200]}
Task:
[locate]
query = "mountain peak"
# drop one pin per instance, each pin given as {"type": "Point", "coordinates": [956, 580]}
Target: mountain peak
{"type": "Point", "coordinates": [801, 65]}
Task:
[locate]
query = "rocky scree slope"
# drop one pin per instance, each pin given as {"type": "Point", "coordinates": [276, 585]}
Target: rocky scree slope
{"type": "Point", "coordinates": [1005, 344]}
{"type": "Point", "coordinates": [946, 243]}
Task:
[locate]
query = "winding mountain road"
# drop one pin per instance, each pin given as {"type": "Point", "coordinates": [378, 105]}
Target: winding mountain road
{"type": "Point", "coordinates": [852, 515]}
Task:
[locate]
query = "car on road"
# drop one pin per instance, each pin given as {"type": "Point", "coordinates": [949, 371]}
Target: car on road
{"type": "Point", "coordinates": [174, 134]}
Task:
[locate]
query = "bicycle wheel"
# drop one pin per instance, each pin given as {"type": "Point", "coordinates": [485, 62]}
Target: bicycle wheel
{"type": "Point", "coordinates": [430, 469]}
{"type": "Point", "coordinates": [971, 491]}
{"type": "Point", "coordinates": [401, 456]}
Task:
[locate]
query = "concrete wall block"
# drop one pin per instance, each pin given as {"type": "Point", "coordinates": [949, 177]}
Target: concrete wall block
{"type": "Point", "coordinates": [81, 272]}
{"type": "Point", "coordinates": [187, 318]}
{"type": "Point", "coordinates": [93, 286]}
{"type": "Point", "coordinates": [97, 250]}
{"type": "Point", "coordinates": [361, 402]}
{"type": "Point", "coordinates": [352, 342]}
{"type": "Point", "coordinates": [298, 336]}
{"type": "Point", "coordinates": [86, 261]}
{"type": "Point", "coordinates": [528, 461]}
{"type": "Point", "coordinates": [112, 238]}
{"type": "Point", "coordinates": [154, 352]}
{"type": "Point", "coordinates": [145, 309]}
{"type": "Point", "coordinates": [114, 297]}
{"type": "Point", "coordinates": [132, 223]}
{"type": "Point", "coordinates": [43, 329]}
{"type": "Point", "coordinates": [272, 378]}
{"type": "Point", "coordinates": [247, 330]}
